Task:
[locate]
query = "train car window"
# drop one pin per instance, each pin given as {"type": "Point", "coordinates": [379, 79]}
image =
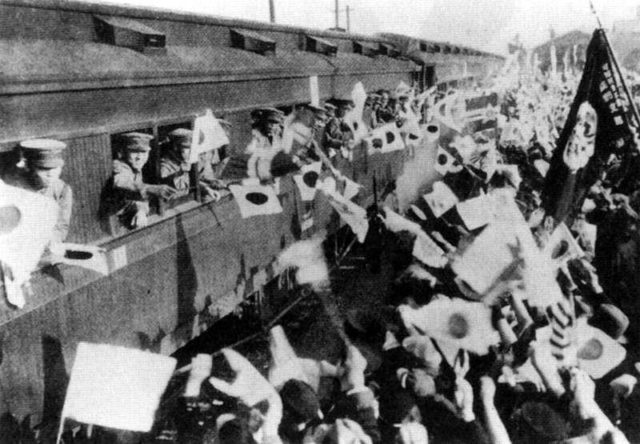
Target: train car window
{"type": "Point", "coordinates": [365, 49]}
{"type": "Point", "coordinates": [132, 194]}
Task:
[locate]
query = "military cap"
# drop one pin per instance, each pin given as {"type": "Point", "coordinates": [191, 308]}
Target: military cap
{"type": "Point", "coordinates": [43, 153]}
{"type": "Point", "coordinates": [138, 142]}
{"type": "Point", "coordinates": [342, 102]}
{"type": "Point", "coordinates": [315, 108]}
{"type": "Point", "coordinates": [181, 137]}
{"type": "Point", "coordinates": [267, 114]}
{"type": "Point", "coordinates": [329, 107]}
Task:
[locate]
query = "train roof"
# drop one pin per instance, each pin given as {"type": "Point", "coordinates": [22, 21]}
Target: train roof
{"type": "Point", "coordinates": [59, 45]}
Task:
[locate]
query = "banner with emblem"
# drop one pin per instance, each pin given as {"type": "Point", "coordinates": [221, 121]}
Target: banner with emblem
{"type": "Point", "coordinates": [255, 199]}
{"type": "Point", "coordinates": [598, 125]}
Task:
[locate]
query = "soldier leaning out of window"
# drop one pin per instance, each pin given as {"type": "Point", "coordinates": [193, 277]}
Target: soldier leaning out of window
{"type": "Point", "coordinates": [129, 193]}
{"type": "Point", "coordinates": [43, 164]}
{"type": "Point", "coordinates": [175, 166]}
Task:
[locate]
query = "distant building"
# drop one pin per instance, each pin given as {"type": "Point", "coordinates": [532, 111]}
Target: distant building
{"type": "Point", "coordinates": [575, 42]}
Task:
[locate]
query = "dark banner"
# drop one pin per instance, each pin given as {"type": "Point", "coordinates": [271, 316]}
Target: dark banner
{"type": "Point", "coordinates": [598, 125]}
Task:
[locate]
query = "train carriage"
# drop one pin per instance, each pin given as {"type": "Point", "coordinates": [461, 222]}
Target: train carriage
{"type": "Point", "coordinates": [86, 73]}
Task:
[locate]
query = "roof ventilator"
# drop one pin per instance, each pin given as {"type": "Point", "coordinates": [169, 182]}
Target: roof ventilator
{"type": "Point", "coordinates": [389, 50]}
{"type": "Point", "coordinates": [321, 46]}
{"type": "Point", "coordinates": [252, 41]}
{"type": "Point", "coordinates": [119, 31]}
{"type": "Point", "coordinates": [365, 49]}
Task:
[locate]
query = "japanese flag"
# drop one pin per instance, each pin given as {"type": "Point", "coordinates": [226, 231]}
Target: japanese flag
{"type": "Point", "coordinates": [27, 220]}
{"type": "Point", "coordinates": [208, 135]}
{"type": "Point", "coordinates": [446, 162]}
{"type": "Point", "coordinates": [354, 117]}
{"type": "Point", "coordinates": [307, 180]}
{"type": "Point", "coordinates": [352, 214]}
{"type": "Point", "coordinates": [255, 199]}
{"type": "Point", "coordinates": [385, 139]}
{"type": "Point", "coordinates": [116, 387]}
{"type": "Point", "coordinates": [441, 199]}
{"type": "Point", "coordinates": [428, 252]}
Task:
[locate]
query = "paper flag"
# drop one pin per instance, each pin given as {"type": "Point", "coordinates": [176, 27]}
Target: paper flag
{"type": "Point", "coordinates": [116, 387]}
{"type": "Point", "coordinates": [488, 256]}
{"type": "Point", "coordinates": [208, 135]}
{"type": "Point", "coordinates": [476, 212]}
{"type": "Point", "coordinates": [441, 199]}
{"type": "Point", "coordinates": [314, 91]}
{"type": "Point", "coordinates": [351, 188]}
{"type": "Point", "coordinates": [446, 163]}
{"type": "Point", "coordinates": [396, 223]}
{"type": "Point", "coordinates": [256, 200]}
{"type": "Point", "coordinates": [27, 220]}
{"type": "Point", "coordinates": [352, 214]}
{"type": "Point", "coordinates": [466, 325]}
{"type": "Point", "coordinates": [90, 257]}
{"type": "Point", "coordinates": [309, 259]}
{"type": "Point", "coordinates": [307, 180]}
{"type": "Point", "coordinates": [428, 252]}
{"type": "Point", "coordinates": [353, 118]}
{"type": "Point", "coordinates": [384, 139]}
{"type": "Point", "coordinates": [562, 246]}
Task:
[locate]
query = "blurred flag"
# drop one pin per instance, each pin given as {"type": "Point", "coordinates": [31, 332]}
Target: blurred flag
{"type": "Point", "coordinates": [354, 118]}
{"type": "Point", "coordinates": [255, 199]}
{"type": "Point", "coordinates": [352, 214]}
{"type": "Point", "coordinates": [208, 135]}
{"type": "Point", "coordinates": [307, 180]}
{"type": "Point", "coordinates": [446, 162]}
{"type": "Point", "coordinates": [441, 199]}
{"type": "Point", "coordinates": [581, 155]}
{"type": "Point", "coordinates": [27, 220]}
{"type": "Point", "coordinates": [116, 387]}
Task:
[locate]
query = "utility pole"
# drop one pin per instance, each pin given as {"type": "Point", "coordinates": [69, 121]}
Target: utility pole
{"type": "Point", "coordinates": [337, 11]}
{"type": "Point", "coordinates": [348, 19]}
{"type": "Point", "coordinates": [272, 11]}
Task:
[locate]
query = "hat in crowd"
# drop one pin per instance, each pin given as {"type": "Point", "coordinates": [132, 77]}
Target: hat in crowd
{"type": "Point", "coordinates": [543, 423]}
{"type": "Point", "coordinates": [300, 401]}
{"type": "Point", "coordinates": [136, 142]}
{"type": "Point", "coordinates": [181, 137]}
{"type": "Point", "coordinates": [273, 115]}
{"type": "Point", "coordinates": [43, 153]}
{"type": "Point", "coordinates": [315, 108]}
{"type": "Point", "coordinates": [342, 102]}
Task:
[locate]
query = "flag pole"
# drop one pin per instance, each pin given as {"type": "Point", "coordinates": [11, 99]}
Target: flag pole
{"type": "Point", "coordinates": [632, 104]}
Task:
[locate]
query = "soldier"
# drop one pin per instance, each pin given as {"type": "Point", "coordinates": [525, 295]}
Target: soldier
{"type": "Point", "coordinates": [266, 141]}
{"type": "Point", "coordinates": [385, 112]}
{"type": "Point", "coordinates": [299, 135]}
{"type": "Point", "coordinates": [130, 193]}
{"type": "Point", "coordinates": [43, 162]}
{"type": "Point", "coordinates": [337, 134]}
{"type": "Point", "coordinates": [175, 167]}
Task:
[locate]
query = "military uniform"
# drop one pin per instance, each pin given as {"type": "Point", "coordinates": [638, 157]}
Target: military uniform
{"type": "Point", "coordinates": [45, 154]}
{"type": "Point", "coordinates": [128, 195]}
{"type": "Point", "coordinates": [174, 170]}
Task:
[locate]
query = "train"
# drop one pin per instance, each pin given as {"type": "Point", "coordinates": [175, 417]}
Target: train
{"type": "Point", "coordinates": [85, 73]}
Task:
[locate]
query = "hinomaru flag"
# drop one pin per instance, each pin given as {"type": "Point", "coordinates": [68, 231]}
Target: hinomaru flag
{"type": "Point", "coordinates": [307, 180]}
{"type": "Point", "coordinates": [116, 387]}
{"type": "Point", "coordinates": [255, 199]}
{"type": "Point", "coordinates": [208, 135]}
{"type": "Point", "coordinates": [354, 118]}
{"type": "Point", "coordinates": [352, 214]}
{"type": "Point", "coordinates": [27, 221]}
{"type": "Point", "coordinates": [384, 139]}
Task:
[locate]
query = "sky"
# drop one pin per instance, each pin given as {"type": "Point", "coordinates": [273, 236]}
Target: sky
{"type": "Point", "coordinates": [482, 24]}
